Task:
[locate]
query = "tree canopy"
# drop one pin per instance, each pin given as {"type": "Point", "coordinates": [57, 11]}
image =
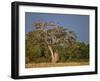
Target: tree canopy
{"type": "Point", "coordinates": [48, 39]}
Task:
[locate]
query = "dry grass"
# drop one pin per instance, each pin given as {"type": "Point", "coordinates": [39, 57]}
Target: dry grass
{"type": "Point", "coordinates": [35, 65]}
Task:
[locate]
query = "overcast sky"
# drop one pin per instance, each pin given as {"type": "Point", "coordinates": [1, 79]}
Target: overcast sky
{"type": "Point", "coordinates": [77, 23]}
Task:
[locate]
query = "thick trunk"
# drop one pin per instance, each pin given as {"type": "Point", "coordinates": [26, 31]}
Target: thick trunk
{"type": "Point", "coordinates": [50, 48]}
{"type": "Point", "coordinates": [52, 54]}
{"type": "Point", "coordinates": [56, 55]}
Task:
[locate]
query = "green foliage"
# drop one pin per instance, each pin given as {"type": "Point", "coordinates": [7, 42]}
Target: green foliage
{"type": "Point", "coordinates": [36, 53]}
{"type": "Point", "coordinates": [60, 39]}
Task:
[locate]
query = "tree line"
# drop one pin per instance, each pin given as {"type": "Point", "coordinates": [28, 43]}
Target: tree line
{"type": "Point", "coordinates": [49, 42]}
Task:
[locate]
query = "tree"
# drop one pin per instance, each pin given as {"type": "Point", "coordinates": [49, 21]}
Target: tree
{"type": "Point", "coordinates": [50, 35]}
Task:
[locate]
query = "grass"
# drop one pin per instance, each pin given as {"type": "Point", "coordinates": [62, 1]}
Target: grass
{"type": "Point", "coordinates": [35, 65]}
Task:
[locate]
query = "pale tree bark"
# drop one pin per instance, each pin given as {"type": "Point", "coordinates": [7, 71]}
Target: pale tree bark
{"type": "Point", "coordinates": [52, 54]}
{"type": "Point", "coordinates": [50, 48]}
{"type": "Point", "coordinates": [56, 55]}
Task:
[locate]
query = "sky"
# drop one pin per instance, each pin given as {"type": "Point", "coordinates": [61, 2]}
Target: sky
{"type": "Point", "coordinates": [77, 23]}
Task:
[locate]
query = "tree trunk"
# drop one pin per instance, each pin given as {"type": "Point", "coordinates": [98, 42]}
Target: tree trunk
{"type": "Point", "coordinates": [52, 54]}
{"type": "Point", "coordinates": [56, 55]}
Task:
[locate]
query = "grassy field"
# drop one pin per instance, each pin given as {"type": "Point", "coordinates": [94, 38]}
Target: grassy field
{"type": "Point", "coordinates": [35, 65]}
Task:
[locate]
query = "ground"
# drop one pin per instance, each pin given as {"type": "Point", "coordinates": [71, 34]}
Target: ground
{"type": "Point", "coordinates": [35, 65]}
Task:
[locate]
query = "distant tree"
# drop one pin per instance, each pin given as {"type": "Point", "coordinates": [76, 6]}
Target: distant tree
{"type": "Point", "coordinates": [79, 51]}
{"type": "Point", "coordinates": [50, 35]}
